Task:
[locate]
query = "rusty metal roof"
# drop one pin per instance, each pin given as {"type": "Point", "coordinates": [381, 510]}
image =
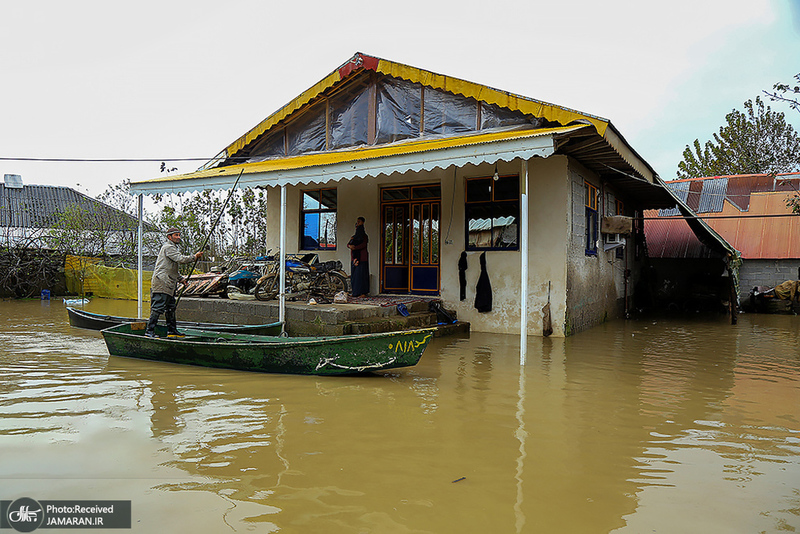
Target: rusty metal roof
{"type": "Point", "coordinates": [671, 237]}
{"type": "Point", "coordinates": [748, 211]}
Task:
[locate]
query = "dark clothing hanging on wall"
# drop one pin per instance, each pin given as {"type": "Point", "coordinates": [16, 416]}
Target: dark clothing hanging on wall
{"type": "Point", "coordinates": [359, 263]}
{"type": "Point", "coordinates": [462, 275]}
{"type": "Point", "coordinates": [483, 291]}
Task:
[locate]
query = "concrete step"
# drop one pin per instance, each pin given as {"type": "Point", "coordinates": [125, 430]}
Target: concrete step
{"type": "Point", "coordinates": [303, 319]}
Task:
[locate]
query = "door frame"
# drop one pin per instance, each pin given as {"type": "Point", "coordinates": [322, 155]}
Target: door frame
{"type": "Point", "coordinates": [405, 199]}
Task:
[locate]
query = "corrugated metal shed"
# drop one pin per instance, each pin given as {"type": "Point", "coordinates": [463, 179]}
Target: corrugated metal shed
{"type": "Point", "coordinates": [38, 206]}
{"type": "Point", "coordinates": [756, 220]}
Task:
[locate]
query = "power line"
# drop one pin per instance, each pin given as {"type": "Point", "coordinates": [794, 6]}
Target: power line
{"type": "Point", "coordinates": [678, 217]}
{"type": "Point", "coordinates": [104, 160]}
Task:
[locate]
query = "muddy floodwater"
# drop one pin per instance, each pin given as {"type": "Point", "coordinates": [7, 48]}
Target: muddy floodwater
{"type": "Point", "coordinates": [661, 425]}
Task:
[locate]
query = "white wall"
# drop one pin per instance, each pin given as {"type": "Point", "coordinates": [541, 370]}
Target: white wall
{"type": "Point", "coordinates": [548, 227]}
{"type": "Point", "coordinates": [551, 242]}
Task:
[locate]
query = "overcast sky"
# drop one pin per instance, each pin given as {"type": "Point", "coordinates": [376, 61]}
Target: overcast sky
{"type": "Point", "coordinates": [162, 80]}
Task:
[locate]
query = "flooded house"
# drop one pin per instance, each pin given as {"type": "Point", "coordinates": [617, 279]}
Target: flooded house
{"type": "Point", "coordinates": [456, 181]}
{"type": "Point", "coordinates": [748, 212]}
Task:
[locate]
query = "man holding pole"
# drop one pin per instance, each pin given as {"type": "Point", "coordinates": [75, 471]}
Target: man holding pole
{"type": "Point", "coordinates": [165, 282]}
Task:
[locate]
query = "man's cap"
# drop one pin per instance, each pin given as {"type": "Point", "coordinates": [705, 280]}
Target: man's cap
{"type": "Point", "coordinates": [171, 231]}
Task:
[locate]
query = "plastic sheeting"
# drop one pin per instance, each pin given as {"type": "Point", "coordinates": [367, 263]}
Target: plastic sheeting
{"type": "Point", "coordinates": [448, 114]}
{"type": "Point", "coordinates": [101, 281]}
{"type": "Point", "coordinates": [493, 116]}
{"type": "Point", "coordinates": [271, 146]}
{"type": "Point", "coordinates": [482, 93]}
{"type": "Point", "coordinates": [399, 105]}
{"type": "Point", "coordinates": [307, 133]}
{"type": "Point", "coordinates": [350, 117]}
{"type": "Point", "coordinates": [404, 110]}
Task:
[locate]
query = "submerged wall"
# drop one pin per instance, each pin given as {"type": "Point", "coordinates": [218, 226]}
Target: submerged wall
{"type": "Point", "coordinates": [584, 290]}
{"type": "Point", "coordinates": [768, 273]}
{"type": "Point", "coordinates": [597, 285]}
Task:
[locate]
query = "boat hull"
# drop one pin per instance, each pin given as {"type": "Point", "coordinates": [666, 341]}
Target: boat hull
{"type": "Point", "coordinates": [95, 321]}
{"type": "Point", "coordinates": [341, 355]}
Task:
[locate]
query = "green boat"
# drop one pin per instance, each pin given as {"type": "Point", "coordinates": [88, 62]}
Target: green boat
{"type": "Point", "coordinates": [340, 355]}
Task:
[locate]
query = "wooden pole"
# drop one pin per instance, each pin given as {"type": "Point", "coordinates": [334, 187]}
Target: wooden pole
{"type": "Point", "coordinates": [208, 236]}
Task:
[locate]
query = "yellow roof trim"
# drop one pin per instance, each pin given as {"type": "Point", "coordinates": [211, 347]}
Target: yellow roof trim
{"type": "Point", "coordinates": [304, 98]}
{"type": "Point", "coordinates": [479, 92]}
{"type": "Point", "coordinates": [362, 153]}
{"type": "Point", "coordinates": [483, 93]}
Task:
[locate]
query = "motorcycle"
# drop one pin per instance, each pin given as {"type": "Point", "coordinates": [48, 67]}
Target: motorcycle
{"type": "Point", "coordinates": [245, 278]}
{"type": "Point", "coordinates": [322, 280]}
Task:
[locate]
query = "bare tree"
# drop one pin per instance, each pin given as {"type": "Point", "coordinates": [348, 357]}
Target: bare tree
{"type": "Point", "coordinates": [782, 92]}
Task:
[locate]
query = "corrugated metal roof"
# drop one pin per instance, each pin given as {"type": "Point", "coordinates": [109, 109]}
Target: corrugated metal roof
{"type": "Point", "coordinates": [38, 206]}
{"type": "Point", "coordinates": [598, 146]}
{"type": "Point", "coordinates": [741, 200]}
{"type": "Point", "coordinates": [712, 195]}
{"type": "Point", "coordinates": [681, 190]}
{"type": "Point", "coordinates": [368, 161]}
{"type": "Point", "coordinates": [673, 238]}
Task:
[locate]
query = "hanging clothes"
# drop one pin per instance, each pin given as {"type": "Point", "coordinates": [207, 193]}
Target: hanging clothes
{"type": "Point", "coordinates": [483, 291]}
{"type": "Point", "coordinates": [462, 275]}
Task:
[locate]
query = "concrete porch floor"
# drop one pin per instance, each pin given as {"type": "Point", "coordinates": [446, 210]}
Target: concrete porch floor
{"type": "Point", "coordinates": [304, 319]}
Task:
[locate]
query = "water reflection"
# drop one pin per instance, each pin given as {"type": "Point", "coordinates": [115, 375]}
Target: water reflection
{"type": "Point", "coordinates": [631, 427]}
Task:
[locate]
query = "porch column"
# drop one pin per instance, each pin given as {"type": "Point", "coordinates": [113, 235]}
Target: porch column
{"type": "Point", "coordinates": [140, 289]}
{"type": "Point", "coordinates": [282, 265]}
{"type": "Point", "coordinates": [523, 268]}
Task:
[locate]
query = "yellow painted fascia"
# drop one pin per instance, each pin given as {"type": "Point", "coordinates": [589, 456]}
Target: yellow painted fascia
{"type": "Point", "coordinates": [483, 93]}
{"type": "Point", "coordinates": [363, 153]}
{"type": "Point", "coordinates": [627, 153]}
{"type": "Point", "coordinates": [304, 98]}
{"type": "Point", "coordinates": [479, 92]}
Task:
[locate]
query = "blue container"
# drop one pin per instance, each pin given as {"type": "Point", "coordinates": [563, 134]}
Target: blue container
{"type": "Point", "coordinates": [45, 294]}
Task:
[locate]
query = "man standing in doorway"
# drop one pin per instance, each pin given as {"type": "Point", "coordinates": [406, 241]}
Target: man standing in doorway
{"type": "Point", "coordinates": [165, 282]}
{"type": "Point", "coordinates": [359, 260]}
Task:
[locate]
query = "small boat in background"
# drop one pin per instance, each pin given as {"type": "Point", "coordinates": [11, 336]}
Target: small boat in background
{"type": "Point", "coordinates": [339, 355]}
{"type": "Point", "coordinates": [75, 302]}
{"type": "Point", "coordinates": [97, 321]}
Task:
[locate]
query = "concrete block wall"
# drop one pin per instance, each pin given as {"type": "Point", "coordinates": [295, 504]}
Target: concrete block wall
{"type": "Point", "coordinates": [770, 273]}
{"type": "Point", "coordinates": [596, 284]}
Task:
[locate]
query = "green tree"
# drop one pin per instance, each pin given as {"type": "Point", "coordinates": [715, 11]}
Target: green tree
{"type": "Point", "coordinates": [126, 238]}
{"type": "Point", "coordinates": [247, 211]}
{"type": "Point", "coordinates": [757, 141]}
{"type": "Point", "coordinates": [241, 231]}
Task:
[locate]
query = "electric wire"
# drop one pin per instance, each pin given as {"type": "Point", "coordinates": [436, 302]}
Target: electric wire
{"type": "Point", "coordinates": [100, 160]}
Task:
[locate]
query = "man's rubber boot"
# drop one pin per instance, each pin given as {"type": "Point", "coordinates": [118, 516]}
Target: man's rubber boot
{"type": "Point", "coordinates": [151, 325]}
{"type": "Point", "coordinates": [172, 324]}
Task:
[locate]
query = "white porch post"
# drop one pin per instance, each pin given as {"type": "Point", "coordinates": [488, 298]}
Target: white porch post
{"type": "Point", "coordinates": [523, 270]}
{"type": "Point", "coordinates": [140, 290]}
{"type": "Point", "coordinates": [282, 265]}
